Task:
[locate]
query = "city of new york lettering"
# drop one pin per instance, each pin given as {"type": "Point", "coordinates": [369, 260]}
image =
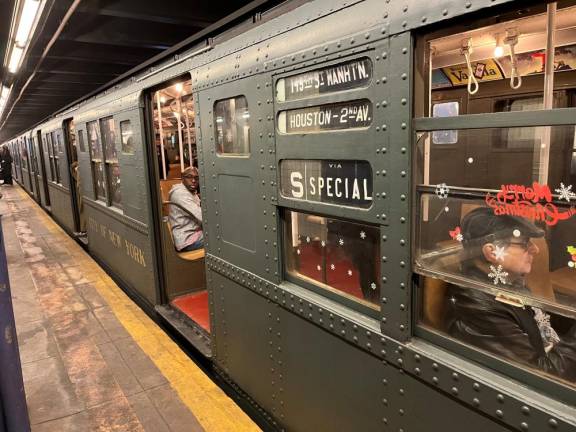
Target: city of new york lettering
{"type": "Point", "coordinates": [534, 203]}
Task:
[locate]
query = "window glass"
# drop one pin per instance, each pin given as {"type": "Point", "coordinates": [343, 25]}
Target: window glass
{"type": "Point", "coordinates": [81, 142]}
{"type": "Point", "coordinates": [488, 158]}
{"type": "Point", "coordinates": [502, 58]}
{"type": "Point", "coordinates": [174, 129]}
{"type": "Point", "coordinates": [114, 183]}
{"type": "Point", "coordinates": [56, 160]}
{"type": "Point", "coordinates": [336, 255]}
{"type": "Point", "coordinates": [445, 109]}
{"type": "Point", "coordinates": [24, 155]}
{"type": "Point", "coordinates": [127, 137]}
{"type": "Point", "coordinates": [109, 139]}
{"type": "Point", "coordinates": [232, 127]}
{"type": "Point", "coordinates": [94, 140]}
{"type": "Point", "coordinates": [99, 183]}
{"type": "Point", "coordinates": [499, 273]}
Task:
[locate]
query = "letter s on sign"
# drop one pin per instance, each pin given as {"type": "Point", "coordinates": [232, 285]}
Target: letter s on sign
{"type": "Point", "coordinates": [297, 187]}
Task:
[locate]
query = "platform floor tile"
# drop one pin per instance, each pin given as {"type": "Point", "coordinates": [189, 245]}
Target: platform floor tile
{"type": "Point", "coordinates": [91, 359]}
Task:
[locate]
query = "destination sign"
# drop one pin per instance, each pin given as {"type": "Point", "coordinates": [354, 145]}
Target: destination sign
{"type": "Point", "coordinates": [337, 116]}
{"type": "Point", "coordinates": [347, 183]}
{"type": "Point", "coordinates": [343, 76]}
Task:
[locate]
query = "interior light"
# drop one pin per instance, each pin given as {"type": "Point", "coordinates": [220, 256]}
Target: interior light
{"type": "Point", "coordinates": [178, 87]}
{"type": "Point", "coordinates": [499, 49]}
{"type": "Point", "coordinates": [162, 99]}
{"type": "Point", "coordinates": [15, 58]}
{"type": "Point", "coordinates": [26, 21]}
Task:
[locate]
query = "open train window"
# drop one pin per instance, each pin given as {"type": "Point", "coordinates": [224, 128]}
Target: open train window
{"type": "Point", "coordinates": [81, 141]}
{"type": "Point", "coordinates": [333, 255]}
{"type": "Point", "coordinates": [112, 166]}
{"type": "Point", "coordinates": [97, 160]}
{"type": "Point", "coordinates": [127, 137]}
{"type": "Point", "coordinates": [494, 218]}
{"type": "Point", "coordinates": [232, 126]}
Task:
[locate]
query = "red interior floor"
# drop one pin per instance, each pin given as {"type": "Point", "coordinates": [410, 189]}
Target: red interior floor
{"type": "Point", "coordinates": [195, 306]}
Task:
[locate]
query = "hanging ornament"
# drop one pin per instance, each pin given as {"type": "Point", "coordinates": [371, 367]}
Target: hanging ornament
{"type": "Point", "coordinates": [456, 234]}
{"type": "Point", "coordinates": [572, 251]}
{"type": "Point", "coordinates": [442, 191]}
{"type": "Point", "coordinates": [497, 274]}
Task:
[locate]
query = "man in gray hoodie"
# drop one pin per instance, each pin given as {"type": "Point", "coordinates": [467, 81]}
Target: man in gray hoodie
{"type": "Point", "coordinates": [185, 212]}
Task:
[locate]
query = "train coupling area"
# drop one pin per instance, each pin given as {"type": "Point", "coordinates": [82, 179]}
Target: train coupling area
{"type": "Point", "coordinates": [92, 360]}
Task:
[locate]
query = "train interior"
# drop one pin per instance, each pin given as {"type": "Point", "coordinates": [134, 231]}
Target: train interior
{"type": "Point", "coordinates": [175, 149]}
{"type": "Point", "coordinates": [521, 64]}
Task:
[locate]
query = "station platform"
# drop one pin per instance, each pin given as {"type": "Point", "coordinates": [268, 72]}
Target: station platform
{"type": "Point", "coordinates": [92, 360]}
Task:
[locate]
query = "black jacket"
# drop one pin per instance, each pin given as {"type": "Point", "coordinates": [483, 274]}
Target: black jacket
{"type": "Point", "coordinates": [477, 318]}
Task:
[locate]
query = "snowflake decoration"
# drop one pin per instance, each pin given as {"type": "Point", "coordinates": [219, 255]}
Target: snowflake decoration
{"type": "Point", "coordinates": [349, 272]}
{"type": "Point", "coordinates": [341, 242]}
{"type": "Point", "coordinates": [500, 253]}
{"type": "Point", "coordinates": [323, 243]}
{"type": "Point", "coordinates": [442, 191]}
{"type": "Point", "coordinates": [307, 239]}
{"type": "Point", "coordinates": [498, 274]}
{"type": "Point", "coordinates": [318, 268]}
{"type": "Point", "coordinates": [298, 251]}
{"type": "Point", "coordinates": [332, 267]}
{"type": "Point", "coordinates": [565, 192]}
{"type": "Point", "coordinates": [362, 235]}
{"type": "Point", "coordinates": [373, 286]}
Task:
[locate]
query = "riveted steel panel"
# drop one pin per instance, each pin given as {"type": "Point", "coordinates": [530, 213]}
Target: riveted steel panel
{"type": "Point", "coordinates": [322, 382]}
{"type": "Point", "coordinates": [395, 243]}
{"type": "Point", "coordinates": [240, 220]}
{"type": "Point", "coordinates": [61, 206]}
{"type": "Point", "coordinates": [125, 249]}
{"type": "Point", "coordinates": [243, 329]}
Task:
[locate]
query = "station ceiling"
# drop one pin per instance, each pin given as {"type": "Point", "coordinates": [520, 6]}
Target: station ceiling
{"type": "Point", "coordinates": [100, 41]}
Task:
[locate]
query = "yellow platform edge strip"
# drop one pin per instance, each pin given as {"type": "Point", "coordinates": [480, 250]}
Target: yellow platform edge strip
{"type": "Point", "coordinates": [213, 409]}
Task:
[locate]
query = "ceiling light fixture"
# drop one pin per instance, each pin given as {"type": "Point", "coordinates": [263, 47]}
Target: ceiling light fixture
{"type": "Point", "coordinates": [499, 49]}
{"type": "Point", "coordinates": [15, 58]}
{"type": "Point", "coordinates": [26, 21]}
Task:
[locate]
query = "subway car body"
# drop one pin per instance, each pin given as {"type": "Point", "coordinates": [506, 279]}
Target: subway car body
{"type": "Point", "coordinates": [387, 208]}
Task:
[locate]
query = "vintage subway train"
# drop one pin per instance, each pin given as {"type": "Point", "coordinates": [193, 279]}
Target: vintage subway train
{"type": "Point", "coordinates": [369, 172]}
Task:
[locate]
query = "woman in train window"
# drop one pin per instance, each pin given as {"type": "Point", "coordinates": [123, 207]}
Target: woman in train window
{"type": "Point", "coordinates": [503, 246]}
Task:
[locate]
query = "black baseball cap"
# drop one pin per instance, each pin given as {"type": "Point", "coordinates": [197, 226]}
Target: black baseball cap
{"type": "Point", "coordinates": [482, 226]}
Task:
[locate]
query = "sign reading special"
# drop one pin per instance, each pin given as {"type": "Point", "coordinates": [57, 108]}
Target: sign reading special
{"type": "Point", "coordinates": [347, 183]}
{"type": "Point", "coordinates": [336, 116]}
{"type": "Point", "coordinates": [343, 76]}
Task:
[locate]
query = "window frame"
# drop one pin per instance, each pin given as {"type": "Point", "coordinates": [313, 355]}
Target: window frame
{"type": "Point", "coordinates": [108, 162]}
{"type": "Point", "coordinates": [329, 293]}
{"type": "Point", "coordinates": [214, 122]}
{"type": "Point", "coordinates": [96, 161]}
{"type": "Point", "coordinates": [422, 121]}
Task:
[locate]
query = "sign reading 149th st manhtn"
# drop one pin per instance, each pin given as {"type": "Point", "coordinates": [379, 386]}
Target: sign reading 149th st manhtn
{"type": "Point", "coordinates": [332, 79]}
{"type": "Point", "coordinates": [340, 182]}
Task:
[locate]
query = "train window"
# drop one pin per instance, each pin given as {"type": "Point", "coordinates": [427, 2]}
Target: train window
{"type": "Point", "coordinates": [127, 137]}
{"type": "Point", "coordinates": [48, 150]}
{"type": "Point", "coordinates": [56, 158]}
{"type": "Point", "coordinates": [232, 126]}
{"type": "Point", "coordinates": [97, 162]}
{"type": "Point", "coordinates": [509, 57]}
{"type": "Point", "coordinates": [494, 213]}
{"type": "Point", "coordinates": [112, 167]}
{"type": "Point", "coordinates": [445, 109]}
{"type": "Point", "coordinates": [81, 141]}
{"type": "Point", "coordinates": [333, 254]}
{"type": "Point", "coordinates": [174, 129]}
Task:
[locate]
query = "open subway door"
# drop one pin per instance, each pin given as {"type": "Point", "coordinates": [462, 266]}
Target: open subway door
{"type": "Point", "coordinates": [183, 282]}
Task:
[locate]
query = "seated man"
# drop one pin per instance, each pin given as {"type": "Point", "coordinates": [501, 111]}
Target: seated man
{"type": "Point", "coordinates": [499, 250]}
{"type": "Point", "coordinates": [186, 215]}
